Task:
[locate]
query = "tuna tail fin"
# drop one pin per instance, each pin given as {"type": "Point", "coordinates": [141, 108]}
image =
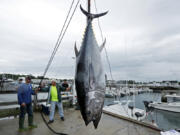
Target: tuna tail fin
{"type": "Point", "coordinates": [96, 122]}
{"type": "Point", "coordinates": [92, 16]}
{"type": "Point", "coordinates": [102, 46]}
{"type": "Point", "coordinates": [76, 50]}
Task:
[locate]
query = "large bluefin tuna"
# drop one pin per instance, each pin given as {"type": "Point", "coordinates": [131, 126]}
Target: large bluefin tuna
{"type": "Point", "coordinates": [89, 77]}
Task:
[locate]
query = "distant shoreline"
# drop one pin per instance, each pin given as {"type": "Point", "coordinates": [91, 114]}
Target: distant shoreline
{"type": "Point", "coordinates": [13, 92]}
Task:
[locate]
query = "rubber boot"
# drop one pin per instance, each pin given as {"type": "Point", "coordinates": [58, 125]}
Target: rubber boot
{"type": "Point", "coordinates": [21, 125]}
{"type": "Point", "coordinates": [30, 122]}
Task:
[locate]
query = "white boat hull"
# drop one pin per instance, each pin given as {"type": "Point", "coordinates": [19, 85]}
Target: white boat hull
{"type": "Point", "coordinates": [172, 107]}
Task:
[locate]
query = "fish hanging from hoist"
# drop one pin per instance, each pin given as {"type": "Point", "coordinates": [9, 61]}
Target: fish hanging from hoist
{"type": "Point", "coordinates": [89, 76]}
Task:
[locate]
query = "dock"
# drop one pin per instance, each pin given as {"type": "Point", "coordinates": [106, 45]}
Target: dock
{"type": "Point", "coordinates": [74, 125]}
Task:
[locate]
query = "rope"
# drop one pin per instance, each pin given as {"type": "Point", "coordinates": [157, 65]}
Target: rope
{"type": "Point", "coordinates": [49, 126]}
{"type": "Point", "coordinates": [108, 61]}
{"type": "Point", "coordinates": [60, 38]}
{"type": "Point", "coordinates": [56, 45]}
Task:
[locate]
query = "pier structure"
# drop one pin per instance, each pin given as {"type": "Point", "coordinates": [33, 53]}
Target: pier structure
{"type": "Point", "coordinates": [74, 125]}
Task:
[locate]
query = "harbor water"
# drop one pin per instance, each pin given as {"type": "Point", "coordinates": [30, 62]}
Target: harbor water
{"type": "Point", "coordinates": [165, 120]}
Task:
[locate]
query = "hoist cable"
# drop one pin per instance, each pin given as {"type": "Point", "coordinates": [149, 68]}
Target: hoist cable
{"type": "Point", "coordinates": [60, 38]}
{"type": "Point", "coordinates": [57, 43]}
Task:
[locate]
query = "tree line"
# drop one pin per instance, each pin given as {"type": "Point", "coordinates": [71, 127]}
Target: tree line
{"type": "Point", "coordinates": [16, 76]}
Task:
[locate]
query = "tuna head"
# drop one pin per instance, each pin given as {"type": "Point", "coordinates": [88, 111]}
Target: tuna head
{"type": "Point", "coordinates": [95, 101]}
{"type": "Point", "coordinates": [89, 76]}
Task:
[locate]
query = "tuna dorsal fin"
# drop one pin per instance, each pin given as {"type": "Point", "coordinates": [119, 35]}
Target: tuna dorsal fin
{"type": "Point", "coordinates": [92, 16]}
{"type": "Point", "coordinates": [102, 46]}
{"type": "Point", "coordinates": [76, 50]}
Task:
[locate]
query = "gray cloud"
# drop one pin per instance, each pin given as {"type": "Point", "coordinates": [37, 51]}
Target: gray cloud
{"type": "Point", "coordinates": [142, 37]}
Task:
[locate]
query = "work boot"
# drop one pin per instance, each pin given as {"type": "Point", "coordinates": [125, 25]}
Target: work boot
{"type": "Point", "coordinates": [62, 118]}
{"type": "Point", "coordinates": [30, 122]}
{"type": "Point", "coordinates": [50, 121]}
{"type": "Point", "coordinates": [21, 125]}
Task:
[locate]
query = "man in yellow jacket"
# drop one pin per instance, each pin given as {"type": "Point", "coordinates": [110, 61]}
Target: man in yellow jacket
{"type": "Point", "coordinates": [54, 98]}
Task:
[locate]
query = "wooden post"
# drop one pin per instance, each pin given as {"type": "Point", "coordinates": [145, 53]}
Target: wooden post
{"type": "Point", "coordinates": [35, 102]}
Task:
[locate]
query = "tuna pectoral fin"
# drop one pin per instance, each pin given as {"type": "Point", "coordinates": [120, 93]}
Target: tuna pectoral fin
{"type": "Point", "coordinates": [102, 46]}
{"type": "Point", "coordinates": [76, 50]}
{"type": "Point", "coordinates": [92, 16]}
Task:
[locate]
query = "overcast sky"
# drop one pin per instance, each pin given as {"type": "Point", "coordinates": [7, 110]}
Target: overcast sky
{"type": "Point", "coordinates": [143, 37]}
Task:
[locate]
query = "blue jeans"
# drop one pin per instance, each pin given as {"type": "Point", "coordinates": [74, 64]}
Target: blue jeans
{"type": "Point", "coordinates": [52, 110]}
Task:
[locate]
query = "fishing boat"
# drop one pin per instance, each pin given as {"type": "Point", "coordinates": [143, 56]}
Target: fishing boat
{"type": "Point", "coordinates": [110, 93]}
{"type": "Point", "coordinates": [173, 98]}
{"type": "Point", "coordinates": [169, 103]}
{"type": "Point", "coordinates": [172, 107]}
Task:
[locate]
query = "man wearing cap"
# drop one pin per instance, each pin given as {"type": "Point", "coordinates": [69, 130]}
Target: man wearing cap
{"type": "Point", "coordinates": [65, 83]}
{"type": "Point", "coordinates": [24, 99]}
{"type": "Point", "coordinates": [54, 98]}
